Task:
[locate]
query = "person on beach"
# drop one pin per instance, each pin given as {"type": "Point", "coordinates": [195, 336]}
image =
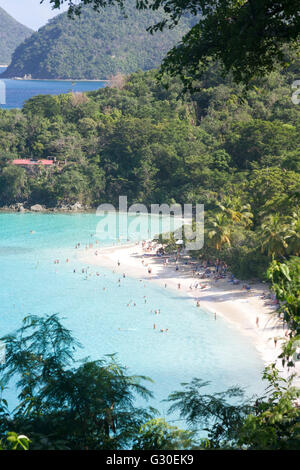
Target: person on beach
{"type": "Point", "coordinates": [119, 262]}
{"type": "Point", "coordinates": [198, 303]}
{"type": "Point", "coordinates": [178, 285]}
{"type": "Point", "coordinates": [215, 315]}
{"type": "Point", "coordinates": [257, 322]}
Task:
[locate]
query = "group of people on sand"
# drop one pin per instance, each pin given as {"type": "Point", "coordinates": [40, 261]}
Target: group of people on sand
{"type": "Point", "coordinates": [147, 245]}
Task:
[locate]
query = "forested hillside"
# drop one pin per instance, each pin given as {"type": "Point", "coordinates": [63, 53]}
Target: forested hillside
{"type": "Point", "coordinates": [237, 154]}
{"type": "Point", "coordinates": [12, 33]}
{"type": "Point", "coordinates": [95, 45]}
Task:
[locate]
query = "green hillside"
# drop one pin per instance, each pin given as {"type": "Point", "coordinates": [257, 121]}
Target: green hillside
{"type": "Point", "coordinates": [95, 46]}
{"type": "Point", "coordinates": [12, 33]}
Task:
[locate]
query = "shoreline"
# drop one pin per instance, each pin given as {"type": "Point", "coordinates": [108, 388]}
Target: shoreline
{"type": "Point", "coordinates": [239, 307]}
{"type": "Point", "coordinates": [19, 79]}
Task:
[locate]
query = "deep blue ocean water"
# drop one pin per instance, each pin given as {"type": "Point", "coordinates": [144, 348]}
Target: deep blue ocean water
{"type": "Point", "coordinates": [195, 346]}
{"type": "Point", "coordinates": [18, 91]}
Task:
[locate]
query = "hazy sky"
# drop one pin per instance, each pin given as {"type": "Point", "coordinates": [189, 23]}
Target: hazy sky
{"type": "Point", "coordinates": [30, 12]}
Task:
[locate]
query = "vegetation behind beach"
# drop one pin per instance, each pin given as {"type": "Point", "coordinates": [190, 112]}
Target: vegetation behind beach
{"type": "Point", "coordinates": [235, 151]}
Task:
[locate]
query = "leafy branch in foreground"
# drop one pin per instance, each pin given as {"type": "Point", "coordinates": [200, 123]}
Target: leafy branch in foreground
{"type": "Point", "coordinates": [233, 421]}
{"type": "Point", "coordinates": [62, 406]}
{"type": "Point", "coordinates": [220, 414]}
{"type": "Point", "coordinates": [275, 425]}
{"type": "Point", "coordinates": [92, 406]}
{"type": "Point", "coordinates": [285, 278]}
{"type": "Point", "coordinates": [159, 435]}
{"type": "Point", "coordinates": [14, 441]}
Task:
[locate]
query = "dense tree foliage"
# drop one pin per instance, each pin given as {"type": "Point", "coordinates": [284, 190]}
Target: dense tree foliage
{"type": "Point", "coordinates": [285, 278]}
{"type": "Point", "coordinates": [61, 404]}
{"type": "Point", "coordinates": [12, 34]}
{"type": "Point", "coordinates": [95, 46]}
{"type": "Point", "coordinates": [247, 36]}
{"type": "Point", "coordinates": [238, 154]}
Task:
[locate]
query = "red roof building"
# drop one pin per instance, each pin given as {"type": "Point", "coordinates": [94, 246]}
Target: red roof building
{"type": "Point", "coordinates": [25, 161]}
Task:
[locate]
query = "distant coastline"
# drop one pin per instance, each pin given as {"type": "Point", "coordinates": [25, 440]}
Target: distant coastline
{"type": "Point", "coordinates": [55, 79]}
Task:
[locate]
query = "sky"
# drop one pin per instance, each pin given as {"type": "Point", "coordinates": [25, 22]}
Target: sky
{"type": "Point", "coordinates": [30, 12]}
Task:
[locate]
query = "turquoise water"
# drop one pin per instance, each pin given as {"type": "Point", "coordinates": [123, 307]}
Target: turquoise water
{"type": "Point", "coordinates": [19, 91]}
{"type": "Point", "coordinates": [195, 346]}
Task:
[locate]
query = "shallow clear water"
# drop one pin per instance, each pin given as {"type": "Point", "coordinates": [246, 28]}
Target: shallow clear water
{"type": "Point", "coordinates": [195, 346]}
{"type": "Point", "coordinates": [19, 91]}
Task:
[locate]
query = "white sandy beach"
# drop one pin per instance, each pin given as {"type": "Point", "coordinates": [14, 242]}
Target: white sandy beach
{"type": "Point", "coordinates": [240, 307]}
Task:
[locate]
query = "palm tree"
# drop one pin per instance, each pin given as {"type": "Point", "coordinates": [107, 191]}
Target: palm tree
{"type": "Point", "coordinates": [220, 231]}
{"type": "Point", "coordinates": [274, 233]}
{"type": "Point", "coordinates": [293, 238]}
{"type": "Point", "coordinates": [238, 212]}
